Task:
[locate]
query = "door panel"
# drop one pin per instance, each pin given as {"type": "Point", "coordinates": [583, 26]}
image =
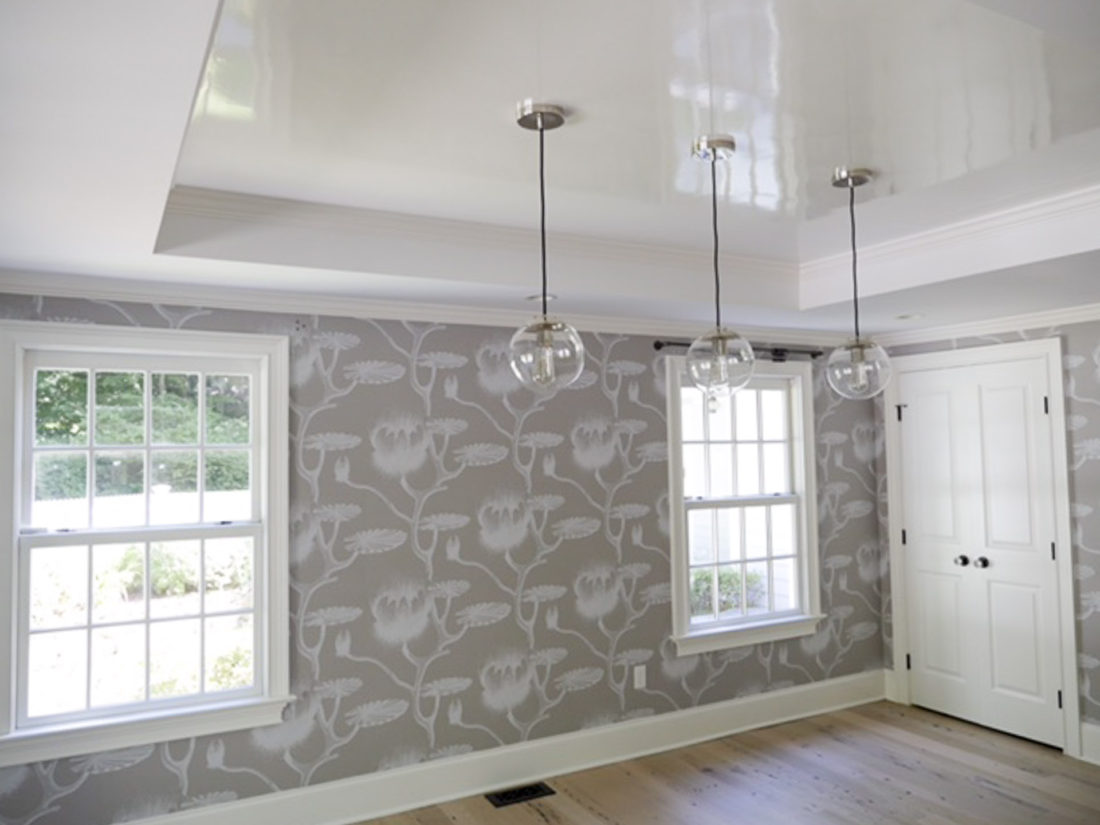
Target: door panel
{"type": "Point", "coordinates": [1017, 663]}
{"type": "Point", "coordinates": [978, 487]}
{"type": "Point", "coordinates": [934, 479]}
{"type": "Point", "coordinates": [939, 617]}
{"type": "Point", "coordinates": [1006, 467]}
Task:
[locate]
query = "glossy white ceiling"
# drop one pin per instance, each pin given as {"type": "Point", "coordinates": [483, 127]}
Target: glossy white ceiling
{"type": "Point", "coordinates": [368, 148]}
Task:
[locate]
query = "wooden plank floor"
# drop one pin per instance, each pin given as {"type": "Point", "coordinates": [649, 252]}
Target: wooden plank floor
{"type": "Point", "coordinates": [879, 763]}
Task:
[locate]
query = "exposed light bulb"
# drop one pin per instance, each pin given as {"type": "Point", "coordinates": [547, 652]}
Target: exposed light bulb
{"type": "Point", "coordinates": [544, 370]}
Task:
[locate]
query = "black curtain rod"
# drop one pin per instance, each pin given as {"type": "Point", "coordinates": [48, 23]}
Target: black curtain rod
{"type": "Point", "coordinates": [775, 353]}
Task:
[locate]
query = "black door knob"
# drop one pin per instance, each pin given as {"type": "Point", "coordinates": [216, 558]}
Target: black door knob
{"type": "Point", "coordinates": [962, 561]}
{"type": "Point", "coordinates": [982, 562]}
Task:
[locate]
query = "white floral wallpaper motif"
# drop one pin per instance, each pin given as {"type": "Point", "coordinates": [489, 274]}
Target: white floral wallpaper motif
{"type": "Point", "coordinates": [471, 566]}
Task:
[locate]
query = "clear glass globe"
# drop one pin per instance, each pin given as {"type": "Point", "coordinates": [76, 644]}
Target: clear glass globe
{"type": "Point", "coordinates": [859, 369]}
{"type": "Point", "coordinates": [546, 355]}
{"type": "Point", "coordinates": [720, 362]}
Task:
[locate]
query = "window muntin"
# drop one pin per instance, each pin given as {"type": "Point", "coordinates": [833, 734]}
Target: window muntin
{"type": "Point", "coordinates": [741, 469]}
{"type": "Point", "coordinates": [123, 451]}
{"type": "Point", "coordinates": [741, 551]}
{"type": "Point", "coordinates": [238, 675]}
{"type": "Point", "coordinates": [132, 444]}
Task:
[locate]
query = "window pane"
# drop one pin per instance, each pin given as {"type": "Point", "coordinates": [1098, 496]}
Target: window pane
{"type": "Point", "coordinates": [695, 471]}
{"type": "Point", "coordinates": [720, 418]}
{"type": "Point", "coordinates": [756, 532]}
{"type": "Point", "coordinates": [118, 665]}
{"type": "Point", "coordinates": [227, 496]}
{"type": "Point", "coordinates": [702, 594]}
{"type": "Point", "coordinates": [227, 409]}
{"type": "Point", "coordinates": [60, 407]}
{"type": "Point", "coordinates": [776, 475]}
{"type": "Point", "coordinates": [721, 470]}
{"type": "Point", "coordinates": [174, 579]}
{"type": "Point", "coordinates": [175, 408]}
{"type": "Point", "coordinates": [748, 470]}
{"type": "Point", "coordinates": [785, 584]}
{"type": "Point", "coordinates": [782, 516]}
{"type": "Point", "coordinates": [119, 489]}
{"type": "Point", "coordinates": [175, 655]}
{"type": "Point", "coordinates": [60, 490]}
{"type": "Point", "coordinates": [228, 566]}
{"type": "Point", "coordinates": [57, 672]}
{"type": "Point", "coordinates": [119, 408]}
{"type": "Point", "coordinates": [729, 534]}
{"type": "Point", "coordinates": [174, 490]}
{"type": "Point", "coordinates": [692, 405]}
{"type": "Point", "coordinates": [700, 536]}
{"type": "Point", "coordinates": [59, 586]}
{"type": "Point", "coordinates": [118, 589]}
{"type": "Point", "coordinates": [747, 429]}
{"type": "Point", "coordinates": [773, 408]}
{"type": "Point", "coordinates": [729, 591]}
{"type": "Point", "coordinates": [756, 587]}
{"type": "Point", "coordinates": [229, 652]}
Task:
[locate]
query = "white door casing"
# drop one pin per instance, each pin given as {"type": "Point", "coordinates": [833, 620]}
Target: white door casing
{"type": "Point", "coordinates": [977, 469]}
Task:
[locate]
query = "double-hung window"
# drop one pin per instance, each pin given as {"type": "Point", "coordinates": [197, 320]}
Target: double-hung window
{"type": "Point", "coordinates": [744, 540]}
{"type": "Point", "coordinates": [144, 536]}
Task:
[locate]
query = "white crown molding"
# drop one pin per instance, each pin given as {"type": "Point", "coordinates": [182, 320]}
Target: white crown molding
{"type": "Point", "coordinates": [379, 794]}
{"type": "Point", "coordinates": [125, 289]}
{"type": "Point", "coordinates": [995, 326]}
{"type": "Point", "coordinates": [241, 208]}
{"type": "Point", "coordinates": [1043, 229]}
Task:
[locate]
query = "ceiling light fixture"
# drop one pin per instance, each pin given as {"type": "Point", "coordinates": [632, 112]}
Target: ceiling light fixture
{"type": "Point", "coordinates": [547, 354]}
{"type": "Point", "coordinates": [720, 361]}
{"type": "Point", "coordinates": [861, 368]}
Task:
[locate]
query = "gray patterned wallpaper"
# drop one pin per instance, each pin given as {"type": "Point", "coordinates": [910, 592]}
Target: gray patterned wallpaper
{"type": "Point", "coordinates": [1081, 374]}
{"type": "Point", "coordinates": [471, 566]}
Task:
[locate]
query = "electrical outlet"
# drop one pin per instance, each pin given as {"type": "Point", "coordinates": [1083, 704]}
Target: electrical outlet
{"type": "Point", "coordinates": [639, 677]}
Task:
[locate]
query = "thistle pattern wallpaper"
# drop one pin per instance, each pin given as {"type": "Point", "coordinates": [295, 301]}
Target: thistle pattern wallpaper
{"type": "Point", "coordinates": [471, 566]}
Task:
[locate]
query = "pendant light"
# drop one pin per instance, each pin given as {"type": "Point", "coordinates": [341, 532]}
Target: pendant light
{"type": "Point", "coordinates": [861, 368]}
{"type": "Point", "coordinates": [719, 362]}
{"type": "Point", "coordinates": [546, 354]}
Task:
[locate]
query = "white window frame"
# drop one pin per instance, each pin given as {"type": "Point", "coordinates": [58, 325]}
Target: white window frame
{"type": "Point", "coordinates": [798, 378]}
{"type": "Point", "coordinates": [20, 341]}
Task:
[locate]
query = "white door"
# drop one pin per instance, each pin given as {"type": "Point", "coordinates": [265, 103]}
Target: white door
{"type": "Point", "coordinates": [979, 522]}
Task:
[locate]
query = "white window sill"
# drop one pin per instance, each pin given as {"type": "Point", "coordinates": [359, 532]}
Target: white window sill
{"type": "Point", "coordinates": [722, 638]}
{"type": "Point", "coordinates": [75, 739]}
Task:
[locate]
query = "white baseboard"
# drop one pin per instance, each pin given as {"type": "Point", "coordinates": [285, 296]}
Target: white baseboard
{"type": "Point", "coordinates": [1090, 742]}
{"type": "Point", "coordinates": [894, 689]}
{"type": "Point", "coordinates": [373, 795]}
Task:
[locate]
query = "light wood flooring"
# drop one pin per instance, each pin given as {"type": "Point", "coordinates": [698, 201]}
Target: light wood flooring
{"type": "Point", "coordinates": [879, 763]}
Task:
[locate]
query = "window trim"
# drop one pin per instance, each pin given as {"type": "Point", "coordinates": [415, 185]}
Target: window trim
{"type": "Point", "coordinates": [798, 375]}
{"type": "Point", "coordinates": [271, 353]}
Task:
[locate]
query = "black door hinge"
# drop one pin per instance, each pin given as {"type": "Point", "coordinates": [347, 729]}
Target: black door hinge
{"type": "Point", "coordinates": [1059, 700]}
{"type": "Point", "coordinates": [1046, 405]}
{"type": "Point", "coordinates": [908, 662]}
{"type": "Point", "coordinates": [899, 406]}
{"type": "Point", "coordinates": [903, 536]}
{"type": "Point", "coordinates": [1052, 555]}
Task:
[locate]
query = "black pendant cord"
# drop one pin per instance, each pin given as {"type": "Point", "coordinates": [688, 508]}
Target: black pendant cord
{"type": "Point", "coordinates": [714, 226]}
{"type": "Point", "coordinates": [855, 283]}
{"type": "Point", "coordinates": [542, 212]}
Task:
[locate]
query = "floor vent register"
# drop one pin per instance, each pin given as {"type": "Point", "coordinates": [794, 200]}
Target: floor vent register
{"type": "Point", "coordinates": [524, 793]}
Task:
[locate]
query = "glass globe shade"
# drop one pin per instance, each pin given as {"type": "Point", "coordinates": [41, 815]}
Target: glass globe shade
{"type": "Point", "coordinates": [859, 369]}
{"type": "Point", "coordinates": [546, 355]}
{"type": "Point", "coordinates": [720, 362]}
